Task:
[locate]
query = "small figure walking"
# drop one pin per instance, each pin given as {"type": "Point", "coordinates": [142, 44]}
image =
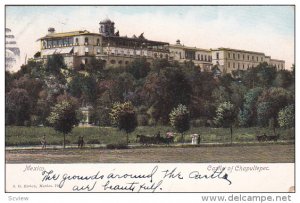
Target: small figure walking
{"type": "Point", "coordinates": [199, 139]}
{"type": "Point", "coordinates": [43, 142]}
{"type": "Point", "coordinates": [80, 142]}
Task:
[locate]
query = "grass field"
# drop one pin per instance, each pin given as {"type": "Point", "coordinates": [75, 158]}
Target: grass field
{"type": "Point", "coordinates": [22, 136]}
{"type": "Point", "coordinates": [270, 153]}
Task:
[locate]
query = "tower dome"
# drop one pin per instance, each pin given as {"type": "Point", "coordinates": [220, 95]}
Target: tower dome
{"type": "Point", "coordinates": [107, 27]}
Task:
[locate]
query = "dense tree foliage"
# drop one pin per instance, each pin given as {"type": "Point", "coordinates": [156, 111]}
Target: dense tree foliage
{"type": "Point", "coordinates": [180, 119]}
{"type": "Point", "coordinates": [63, 116]}
{"type": "Point", "coordinates": [225, 116]}
{"type": "Point", "coordinates": [286, 116]}
{"type": "Point", "coordinates": [124, 117]}
{"type": "Point", "coordinates": [257, 95]}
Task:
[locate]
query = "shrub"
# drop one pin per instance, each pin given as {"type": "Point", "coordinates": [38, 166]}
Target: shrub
{"type": "Point", "coordinates": [117, 146]}
{"type": "Point", "coordinates": [142, 120]}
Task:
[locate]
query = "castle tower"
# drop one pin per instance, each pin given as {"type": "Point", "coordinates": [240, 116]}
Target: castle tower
{"type": "Point", "coordinates": [107, 28]}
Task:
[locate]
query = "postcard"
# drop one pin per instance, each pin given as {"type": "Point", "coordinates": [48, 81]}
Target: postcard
{"type": "Point", "coordinates": [150, 99]}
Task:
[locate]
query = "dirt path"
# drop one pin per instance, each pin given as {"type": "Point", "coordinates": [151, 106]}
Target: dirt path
{"type": "Point", "coordinates": [245, 154]}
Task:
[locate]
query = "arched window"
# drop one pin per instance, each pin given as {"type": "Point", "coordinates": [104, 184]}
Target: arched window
{"type": "Point", "coordinates": [86, 41]}
{"type": "Point", "coordinates": [120, 62]}
{"type": "Point", "coordinates": [76, 41]}
{"type": "Point", "coordinates": [112, 61]}
{"type": "Point", "coordinates": [98, 42]}
{"type": "Point", "coordinates": [126, 62]}
{"type": "Point", "coordinates": [86, 61]}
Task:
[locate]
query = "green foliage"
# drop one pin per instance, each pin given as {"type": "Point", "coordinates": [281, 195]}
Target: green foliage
{"type": "Point", "coordinates": [286, 117]}
{"type": "Point", "coordinates": [63, 116]}
{"type": "Point", "coordinates": [180, 118]}
{"type": "Point", "coordinates": [84, 87]}
{"type": "Point", "coordinates": [284, 78]}
{"type": "Point", "coordinates": [264, 113]}
{"type": "Point", "coordinates": [96, 66]}
{"type": "Point", "coordinates": [247, 115]}
{"type": "Point", "coordinates": [225, 114]}
{"type": "Point", "coordinates": [270, 102]}
{"type": "Point", "coordinates": [166, 90]}
{"type": "Point", "coordinates": [220, 95]}
{"type": "Point", "coordinates": [55, 63]}
{"type": "Point", "coordinates": [139, 68]}
{"type": "Point", "coordinates": [17, 106]}
{"type": "Point", "coordinates": [124, 117]}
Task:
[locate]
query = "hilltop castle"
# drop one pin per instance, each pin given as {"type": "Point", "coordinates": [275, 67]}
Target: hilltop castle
{"type": "Point", "coordinates": [78, 47]}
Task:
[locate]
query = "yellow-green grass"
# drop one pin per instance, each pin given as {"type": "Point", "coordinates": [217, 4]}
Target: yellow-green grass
{"type": "Point", "coordinates": [22, 136]}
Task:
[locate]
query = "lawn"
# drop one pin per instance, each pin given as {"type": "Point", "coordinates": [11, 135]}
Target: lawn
{"type": "Point", "coordinates": [268, 153]}
{"type": "Point", "coordinates": [22, 136]}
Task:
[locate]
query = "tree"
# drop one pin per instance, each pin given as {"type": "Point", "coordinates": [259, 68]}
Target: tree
{"type": "Point", "coordinates": [286, 117]}
{"type": "Point", "coordinates": [139, 68]}
{"type": "Point", "coordinates": [225, 116]}
{"type": "Point", "coordinates": [55, 63]}
{"type": "Point", "coordinates": [63, 117]}
{"type": "Point", "coordinates": [18, 106]}
{"type": "Point", "coordinates": [124, 117]}
{"type": "Point", "coordinates": [284, 78]}
{"type": "Point", "coordinates": [270, 102]}
{"type": "Point", "coordinates": [247, 115]}
{"type": "Point", "coordinates": [162, 92]}
{"type": "Point", "coordinates": [180, 119]}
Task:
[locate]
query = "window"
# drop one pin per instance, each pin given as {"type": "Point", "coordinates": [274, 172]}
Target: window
{"type": "Point", "coordinates": [252, 58]}
{"type": "Point", "coordinates": [112, 61]}
{"type": "Point", "coordinates": [238, 56]}
{"type": "Point", "coordinates": [98, 42]}
{"type": "Point", "coordinates": [243, 57]}
{"type": "Point", "coordinates": [262, 59]}
{"type": "Point", "coordinates": [233, 55]}
{"type": "Point", "coordinates": [76, 41]}
{"type": "Point", "coordinates": [248, 57]}
{"type": "Point", "coordinates": [86, 50]}
{"type": "Point", "coordinates": [228, 55]}
{"type": "Point", "coordinates": [217, 55]}
{"type": "Point", "coordinates": [205, 58]}
{"type": "Point", "coordinates": [120, 62]}
{"type": "Point", "coordinates": [86, 61]}
{"type": "Point", "coordinates": [98, 51]}
{"type": "Point", "coordinates": [54, 43]}
{"type": "Point", "coordinates": [179, 55]}
{"type": "Point", "coordinates": [228, 64]}
{"type": "Point", "coordinates": [257, 58]}
{"type": "Point", "coordinates": [60, 42]}
{"type": "Point", "coordinates": [233, 65]}
{"type": "Point", "coordinates": [198, 57]}
{"type": "Point", "coordinates": [161, 56]}
{"type": "Point", "coordinates": [201, 57]}
{"type": "Point", "coordinates": [86, 41]}
{"type": "Point", "coordinates": [238, 65]}
{"type": "Point", "coordinates": [243, 66]}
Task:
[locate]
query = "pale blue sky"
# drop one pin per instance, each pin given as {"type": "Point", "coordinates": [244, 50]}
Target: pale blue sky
{"type": "Point", "coordinates": [269, 29]}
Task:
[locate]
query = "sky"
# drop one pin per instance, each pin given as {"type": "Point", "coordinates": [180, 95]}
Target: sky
{"type": "Point", "coordinates": [268, 29]}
